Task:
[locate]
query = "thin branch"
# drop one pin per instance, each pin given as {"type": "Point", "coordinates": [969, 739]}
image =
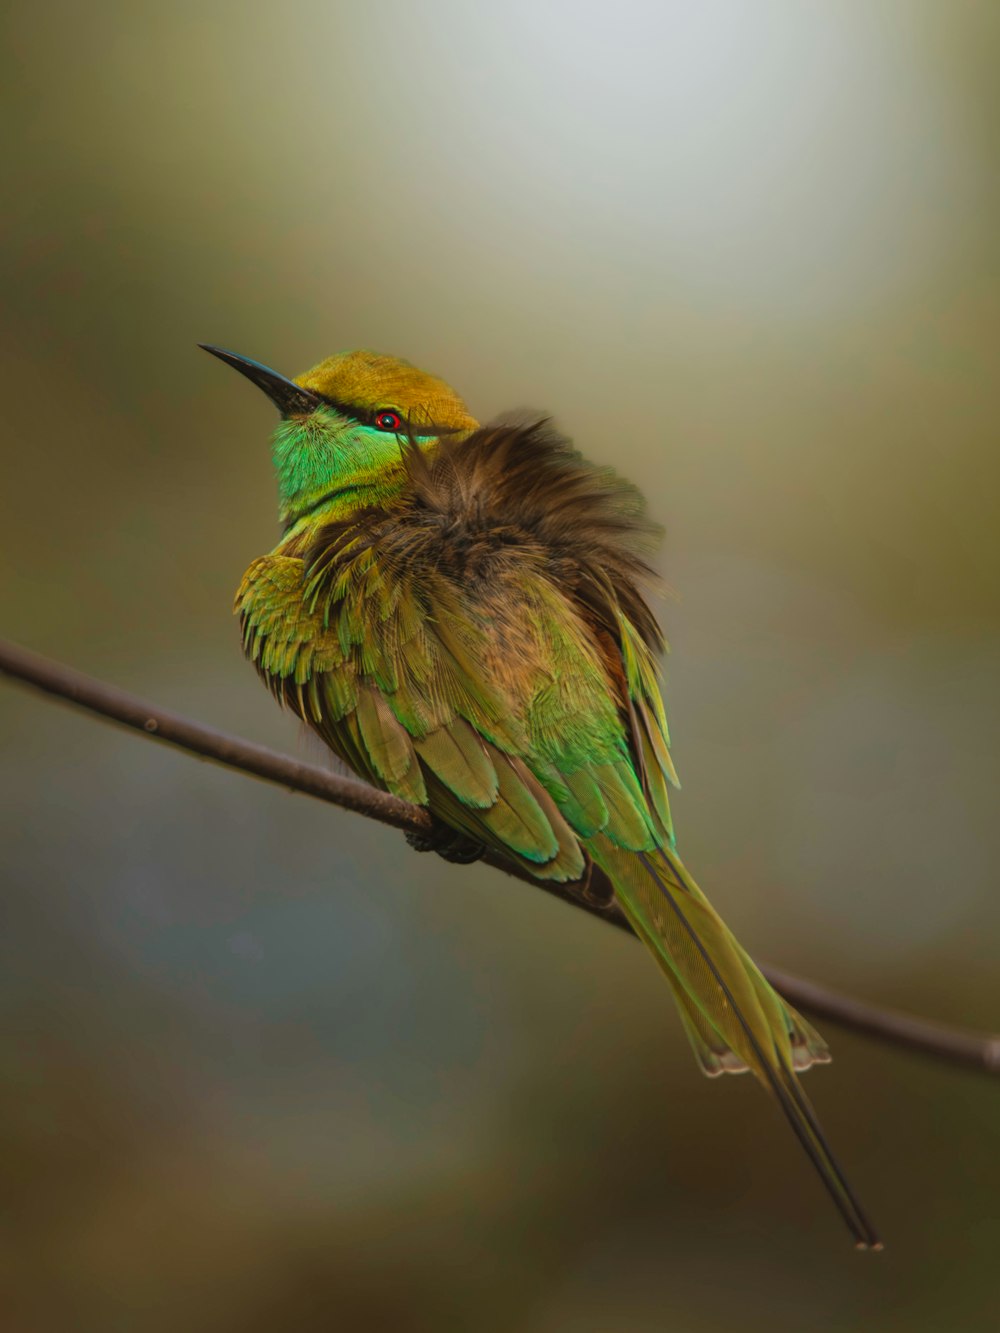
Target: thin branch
{"type": "Point", "coordinates": [974, 1050]}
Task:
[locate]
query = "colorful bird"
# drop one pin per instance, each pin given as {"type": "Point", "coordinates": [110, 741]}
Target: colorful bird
{"type": "Point", "coordinates": [458, 611]}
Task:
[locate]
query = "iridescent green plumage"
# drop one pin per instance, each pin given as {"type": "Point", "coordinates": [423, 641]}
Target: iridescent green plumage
{"type": "Point", "coordinates": [457, 611]}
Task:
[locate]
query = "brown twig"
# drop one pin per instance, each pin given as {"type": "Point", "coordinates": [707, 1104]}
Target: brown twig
{"type": "Point", "coordinates": [972, 1049]}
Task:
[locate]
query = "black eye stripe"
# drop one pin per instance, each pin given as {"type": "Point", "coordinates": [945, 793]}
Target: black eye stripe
{"type": "Point", "coordinates": [357, 414]}
{"type": "Point", "coordinates": [363, 418]}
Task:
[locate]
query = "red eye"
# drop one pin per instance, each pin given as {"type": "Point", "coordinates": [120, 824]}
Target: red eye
{"type": "Point", "coordinates": [388, 421]}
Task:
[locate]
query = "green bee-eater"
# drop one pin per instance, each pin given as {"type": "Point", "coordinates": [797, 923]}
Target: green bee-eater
{"type": "Point", "coordinates": [457, 610]}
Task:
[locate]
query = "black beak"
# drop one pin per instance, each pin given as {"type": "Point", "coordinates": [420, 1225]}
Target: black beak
{"type": "Point", "coordinates": [289, 398]}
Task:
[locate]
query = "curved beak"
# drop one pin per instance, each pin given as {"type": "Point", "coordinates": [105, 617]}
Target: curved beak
{"type": "Point", "coordinates": [289, 398]}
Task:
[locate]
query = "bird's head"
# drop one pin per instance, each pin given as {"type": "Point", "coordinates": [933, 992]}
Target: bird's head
{"type": "Point", "coordinates": [344, 424]}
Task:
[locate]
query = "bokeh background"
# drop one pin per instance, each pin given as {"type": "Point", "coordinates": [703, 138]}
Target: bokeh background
{"type": "Point", "coordinates": [264, 1067]}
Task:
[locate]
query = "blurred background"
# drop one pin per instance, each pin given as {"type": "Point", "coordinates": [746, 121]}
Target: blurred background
{"type": "Point", "coordinates": [263, 1066]}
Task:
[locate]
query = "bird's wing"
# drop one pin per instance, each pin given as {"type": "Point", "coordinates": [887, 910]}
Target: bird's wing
{"type": "Point", "coordinates": [487, 705]}
{"type": "Point", "coordinates": [608, 602]}
{"type": "Point", "coordinates": [394, 680]}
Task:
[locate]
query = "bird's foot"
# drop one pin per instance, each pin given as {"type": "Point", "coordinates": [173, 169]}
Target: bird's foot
{"type": "Point", "coordinates": [447, 842]}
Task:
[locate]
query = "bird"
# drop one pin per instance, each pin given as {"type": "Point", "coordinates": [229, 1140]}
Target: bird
{"type": "Point", "coordinates": [460, 611]}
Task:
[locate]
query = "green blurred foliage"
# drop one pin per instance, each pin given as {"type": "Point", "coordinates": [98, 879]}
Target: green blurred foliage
{"type": "Point", "coordinates": [265, 1068]}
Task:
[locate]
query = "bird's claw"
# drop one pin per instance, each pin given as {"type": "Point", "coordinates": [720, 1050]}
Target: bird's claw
{"type": "Point", "coordinates": [447, 842]}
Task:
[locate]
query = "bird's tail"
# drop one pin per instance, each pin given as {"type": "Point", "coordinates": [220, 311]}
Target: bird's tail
{"type": "Point", "coordinates": [734, 1017]}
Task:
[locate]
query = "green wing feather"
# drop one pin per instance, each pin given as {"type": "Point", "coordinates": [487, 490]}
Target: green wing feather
{"type": "Point", "coordinates": [430, 728]}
